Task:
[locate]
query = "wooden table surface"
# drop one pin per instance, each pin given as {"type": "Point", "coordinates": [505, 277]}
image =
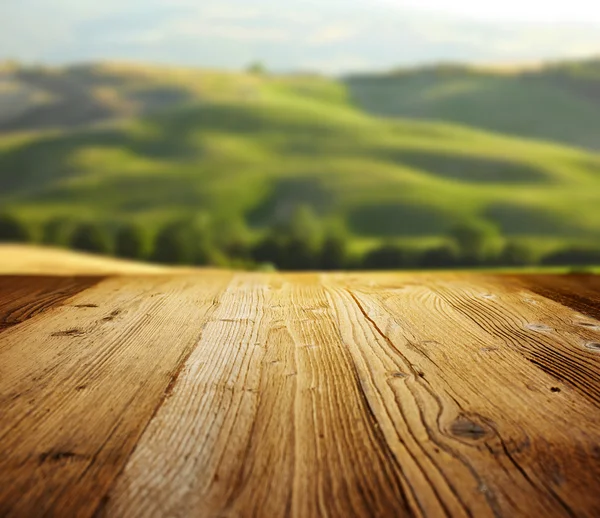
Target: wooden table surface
{"type": "Point", "coordinates": [239, 394]}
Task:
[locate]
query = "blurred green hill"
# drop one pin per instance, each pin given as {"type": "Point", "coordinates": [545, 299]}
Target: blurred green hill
{"type": "Point", "coordinates": [559, 102]}
{"type": "Point", "coordinates": [400, 156]}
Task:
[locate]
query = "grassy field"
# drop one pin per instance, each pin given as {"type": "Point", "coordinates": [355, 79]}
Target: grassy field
{"type": "Point", "coordinates": [148, 145]}
{"type": "Point", "coordinates": [558, 102]}
{"type": "Point", "coordinates": [19, 259]}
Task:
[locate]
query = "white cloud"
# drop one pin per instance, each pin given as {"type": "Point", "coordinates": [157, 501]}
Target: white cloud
{"type": "Point", "coordinates": [229, 12]}
{"type": "Point", "coordinates": [333, 34]}
{"type": "Point", "coordinates": [231, 31]}
{"type": "Point", "coordinates": [148, 37]}
{"type": "Point", "coordinates": [329, 35]}
{"type": "Point", "coordinates": [542, 11]}
{"type": "Point", "coordinates": [336, 65]}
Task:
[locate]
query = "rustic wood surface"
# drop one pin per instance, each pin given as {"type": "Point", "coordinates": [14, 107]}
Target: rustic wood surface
{"type": "Point", "coordinates": [235, 394]}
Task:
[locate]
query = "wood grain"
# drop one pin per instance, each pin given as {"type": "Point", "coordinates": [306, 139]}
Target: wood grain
{"type": "Point", "coordinates": [21, 299]}
{"type": "Point", "coordinates": [580, 292]}
{"type": "Point", "coordinates": [223, 394]}
{"type": "Point", "coordinates": [474, 412]}
{"type": "Point", "coordinates": [78, 388]}
{"type": "Point", "coordinates": [270, 394]}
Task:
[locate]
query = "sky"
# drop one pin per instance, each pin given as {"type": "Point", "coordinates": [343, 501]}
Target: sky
{"type": "Point", "coordinates": [328, 36]}
{"type": "Point", "coordinates": [542, 11]}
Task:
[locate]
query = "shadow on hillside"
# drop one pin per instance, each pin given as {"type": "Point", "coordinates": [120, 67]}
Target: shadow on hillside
{"type": "Point", "coordinates": [164, 136]}
{"type": "Point", "coordinates": [470, 168]}
{"type": "Point", "coordinates": [398, 219]}
{"type": "Point", "coordinates": [75, 103]}
{"type": "Point", "coordinates": [48, 161]}
{"type": "Point", "coordinates": [288, 194]}
{"type": "Point", "coordinates": [557, 106]}
{"type": "Point", "coordinates": [518, 220]}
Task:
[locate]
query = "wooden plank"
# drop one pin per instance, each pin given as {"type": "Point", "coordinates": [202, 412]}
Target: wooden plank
{"type": "Point", "coordinates": [78, 387]}
{"type": "Point", "coordinates": [478, 429]}
{"type": "Point", "coordinates": [24, 297]}
{"type": "Point", "coordinates": [580, 292]}
{"type": "Point", "coordinates": [267, 419]}
{"type": "Point", "coordinates": [554, 338]}
{"type": "Point", "coordinates": [224, 394]}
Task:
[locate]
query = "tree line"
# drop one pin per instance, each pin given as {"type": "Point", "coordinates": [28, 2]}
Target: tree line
{"type": "Point", "coordinates": [302, 243]}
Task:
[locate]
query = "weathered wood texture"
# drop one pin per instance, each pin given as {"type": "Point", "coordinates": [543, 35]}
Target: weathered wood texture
{"type": "Point", "coordinates": [20, 298]}
{"type": "Point", "coordinates": [226, 394]}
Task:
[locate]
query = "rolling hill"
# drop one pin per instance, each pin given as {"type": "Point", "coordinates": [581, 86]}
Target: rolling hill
{"type": "Point", "coordinates": [148, 144]}
{"type": "Point", "coordinates": [559, 102]}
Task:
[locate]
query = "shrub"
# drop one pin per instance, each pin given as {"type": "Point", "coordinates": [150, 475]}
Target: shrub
{"type": "Point", "coordinates": [257, 68]}
{"type": "Point", "coordinates": [205, 253]}
{"type": "Point", "coordinates": [185, 242]}
{"type": "Point", "coordinates": [305, 226]}
{"type": "Point", "coordinates": [269, 249]}
{"type": "Point", "coordinates": [57, 231]}
{"type": "Point", "coordinates": [296, 245]}
{"type": "Point", "coordinates": [574, 256]}
{"type": "Point", "coordinates": [175, 243]}
{"type": "Point", "coordinates": [387, 257]}
{"type": "Point", "coordinates": [444, 256]}
{"type": "Point", "coordinates": [476, 242]}
{"type": "Point", "coordinates": [232, 238]}
{"type": "Point", "coordinates": [302, 240]}
{"type": "Point", "coordinates": [89, 237]}
{"type": "Point", "coordinates": [299, 254]}
{"type": "Point", "coordinates": [129, 243]}
{"type": "Point", "coordinates": [516, 254]}
{"type": "Point", "coordinates": [13, 230]}
{"type": "Point", "coordinates": [334, 252]}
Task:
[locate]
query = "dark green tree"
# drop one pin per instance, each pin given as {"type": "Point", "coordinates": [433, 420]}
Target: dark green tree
{"type": "Point", "coordinates": [388, 257]}
{"type": "Point", "coordinates": [232, 238]}
{"type": "Point", "coordinates": [13, 230]}
{"type": "Point", "coordinates": [334, 249]}
{"type": "Point", "coordinates": [476, 241]}
{"type": "Point", "coordinates": [303, 240]}
{"type": "Point", "coordinates": [305, 226]}
{"type": "Point", "coordinates": [440, 257]}
{"type": "Point", "coordinates": [129, 242]}
{"type": "Point", "coordinates": [516, 254]}
{"type": "Point", "coordinates": [175, 243]}
{"type": "Point", "coordinates": [573, 256]}
{"type": "Point", "coordinates": [205, 251]}
{"type": "Point", "coordinates": [299, 255]}
{"type": "Point", "coordinates": [92, 238]}
{"type": "Point", "coordinates": [269, 250]}
{"type": "Point", "coordinates": [257, 68]}
{"type": "Point", "coordinates": [334, 253]}
{"type": "Point", "coordinates": [57, 231]}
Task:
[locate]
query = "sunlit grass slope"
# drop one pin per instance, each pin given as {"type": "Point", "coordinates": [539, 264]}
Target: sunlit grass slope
{"type": "Point", "coordinates": [36, 260]}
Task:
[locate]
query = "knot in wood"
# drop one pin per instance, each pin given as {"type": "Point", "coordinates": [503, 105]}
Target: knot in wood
{"type": "Point", "coordinates": [465, 428]}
